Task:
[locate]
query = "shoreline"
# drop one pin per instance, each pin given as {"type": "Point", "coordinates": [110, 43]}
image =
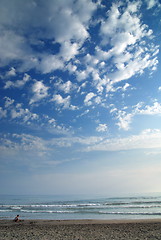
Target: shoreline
{"type": "Point", "coordinates": [79, 221]}
{"type": "Point", "coordinates": [81, 229]}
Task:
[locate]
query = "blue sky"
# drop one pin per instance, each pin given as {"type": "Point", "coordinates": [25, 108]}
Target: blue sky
{"type": "Point", "coordinates": [80, 100]}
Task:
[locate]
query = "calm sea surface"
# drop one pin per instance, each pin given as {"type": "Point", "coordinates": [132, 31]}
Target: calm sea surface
{"type": "Point", "coordinates": [59, 207]}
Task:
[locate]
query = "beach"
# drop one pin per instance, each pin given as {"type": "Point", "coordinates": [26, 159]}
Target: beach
{"type": "Point", "coordinates": [80, 229]}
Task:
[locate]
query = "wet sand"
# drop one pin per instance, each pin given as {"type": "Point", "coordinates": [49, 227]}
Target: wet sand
{"type": "Point", "coordinates": [80, 229]}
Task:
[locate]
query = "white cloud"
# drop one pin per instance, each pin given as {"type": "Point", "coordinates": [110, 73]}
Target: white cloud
{"type": "Point", "coordinates": [109, 27]}
{"type": "Point", "coordinates": [159, 88]}
{"type": "Point", "coordinates": [102, 83]}
{"type": "Point", "coordinates": [63, 102]}
{"type": "Point", "coordinates": [152, 3]}
{"type": "Point", "coordinates": [17, 111]}
{"type": "Point", "coordinates": [98, 100]}
{"type": "Point", "coordinates": [66, 87]}
{"type": "Point", "coordinates": [127, 25]}
{"type": "Point", "coordinates": [125, 118]}
{"type": "Point", "coordinates": [92, 60]}
{"type": "Point", "coordinates": [147, 139]}
{"type": "Point", "coordinates": [70, 141]}
{"type": "Point", "coordinates": [151, 110]}
{"type": "Point", "coordinates": [13, 46]}
{"type": "Point", "coordinates": [81, 75]}
{"type": "Point", "coordinates": [25, 114]}
{"type": "Point", "coordinates": [8, 102]}
{"type": "Point", "coordinates": [68, 50]}
{"type": "Point", "coordinates": [65, 22]}
{"type": "Point", "coordinates": [85, 8]}
{"type": "Point", "coordinates": [133, 6]}
{"type": "Point", "coordinates": [20, 115]}
{"type": "Point", "coordinates": [23, 143]}
{"type": "Point", "coordinates": [11, 72]}
{"type": "Point", "coordinates": [52, 121]}
{"type": "Point", "coordinates": [39, 91]}
{"type": "Point", "coordinates": [50, 63]}
{"type": "Point", "coordinates": [129, 50]}
{"type": "Point", "coordinates": [102, 128]}
{"type": "Point", "coordinates": [38, 145]}
{"type": "Point", "coordinates": [3, 112]}
{"type": "Point", "coordinates": [83, 114]}
{"type": "Point", "coordinates": [127, 85]}
{"type": "Point", "coordinates": [88, 98]}
{"type": "Point", "coordinates": [134, 66]}
{"type": "Point", "coordinates": [18, 83]}
{"type": "Point", "coordinates": [124, 32]}
{"type": "Point", "coordinates": [71, 67]}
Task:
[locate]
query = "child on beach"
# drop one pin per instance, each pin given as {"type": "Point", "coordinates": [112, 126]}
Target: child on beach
{"type": "Point", "coordinates": [16, 219]}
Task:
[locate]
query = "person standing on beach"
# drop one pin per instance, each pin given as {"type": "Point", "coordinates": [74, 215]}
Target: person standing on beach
{"type": "Point", "coordinates": [16, 219]}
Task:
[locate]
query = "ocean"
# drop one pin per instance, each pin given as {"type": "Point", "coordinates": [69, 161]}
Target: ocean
{"type": "Point", "coordinates": [77, 207]}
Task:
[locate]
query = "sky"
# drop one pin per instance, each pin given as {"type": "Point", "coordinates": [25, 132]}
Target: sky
{"type": "Point", "coordinates": [80, 105]}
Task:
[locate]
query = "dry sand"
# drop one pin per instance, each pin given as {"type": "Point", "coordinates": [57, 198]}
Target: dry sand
{"type": "Point", "coordinates": [80, 229]}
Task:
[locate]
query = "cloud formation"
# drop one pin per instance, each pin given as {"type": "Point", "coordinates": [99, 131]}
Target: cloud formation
{"type": "Point", "coordinates": [102, 127]}
{"type": "Point", "coordinates": [39, 91]}
{"type": "Point", "coordinates": [17, 83]}
{"type": "Point", "coordinates": [78, 76]}
{"type": "Point", "coordinates": [125, 118]}
{"type": "Point", "coordinates": [59, 22]}
{"type": "Point", "coordinates": [147, 139]}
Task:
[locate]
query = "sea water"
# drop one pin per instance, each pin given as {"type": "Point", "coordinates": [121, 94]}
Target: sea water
{"type": "Point", "coordinates": [77, 207]}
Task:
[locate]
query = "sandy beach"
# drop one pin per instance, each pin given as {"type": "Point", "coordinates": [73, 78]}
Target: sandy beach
{"type": "Point", "coordinates": [80, 229]}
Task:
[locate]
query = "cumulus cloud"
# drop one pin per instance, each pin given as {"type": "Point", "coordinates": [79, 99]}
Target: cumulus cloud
{"type": "Point", "coordinates": [127, 31]}
{"type": "Point", "coordinates": [126, 49]}
{"type": "Point", "coordinates": [124, 120]}
{"type": "Point", "coordinates": [68, 50]}
{"type": "Point", "coordinates": [17, 83]}
{"type": "Point", "coordinates": [102, 128]}
{"type": "Point", "coordinates": [66, 87]}
{"type": "Point", "coordinates": [64, 26]}
{"type": "Point", "coordinates": [17, 113]}
{"type": "Point", "coordinates": [81, 75]}
{"type": "Point", "coordinates": [13, 46]}
{"type": "Point", "coordinates": [61, 22]}
{"type": "Point", "coordinates": [11, 72]}
{"type": "Point", "coordinates": [39, 91]}
{"type": "Point", "coordinates": [88, 98]}
{"type": "Point", "coordinates": [125, 117]}
{"type": "Point", "coordinates": [50, 63]}
{"type": "Point", "coordinates": [59, 100]}
{"type": "Point", "coordinates": [25, 114]}
{"type": "Point", "coordinates": [127, 85]}
{"type": "Point", "coordinates": [57, 56]}
{"type": "Point", "coordinates": [124, 32]}
{"type": "Point", "coordinates": [8, 102]}
{"type": "Point", "coordinates": [155, 109]}
{"type": "Point", "coordinates": [65, 103]}
{"type": "Point", "coordinates": [58, 35]}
